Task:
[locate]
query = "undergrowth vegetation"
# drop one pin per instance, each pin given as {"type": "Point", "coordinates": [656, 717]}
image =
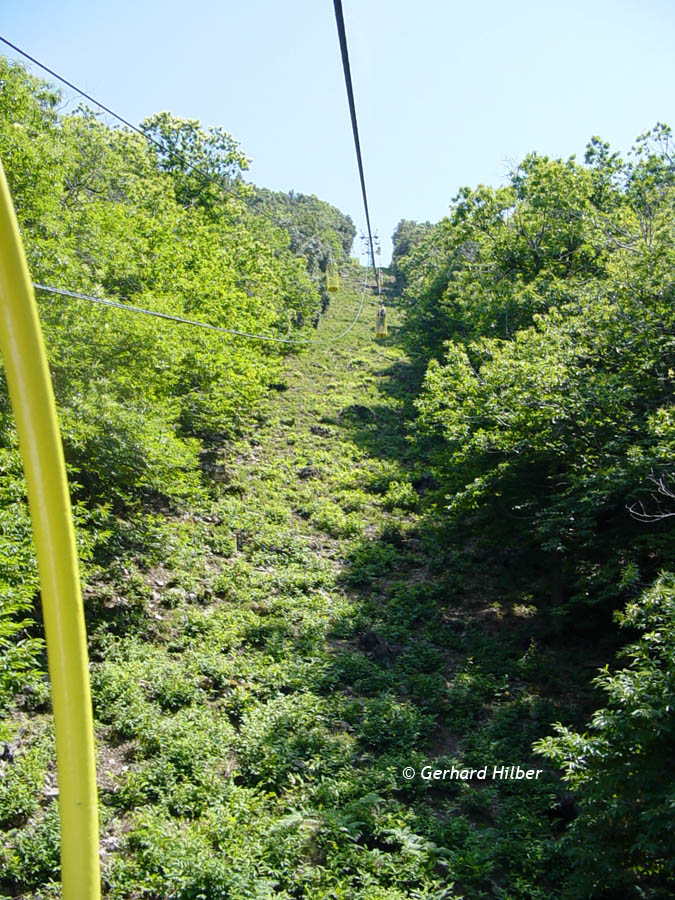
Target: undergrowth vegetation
{"type": "Point", "coordinates": [104, 212]}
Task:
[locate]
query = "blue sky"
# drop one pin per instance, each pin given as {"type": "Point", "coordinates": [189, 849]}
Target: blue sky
{"type": "Point", "coordinates": [447, 94]}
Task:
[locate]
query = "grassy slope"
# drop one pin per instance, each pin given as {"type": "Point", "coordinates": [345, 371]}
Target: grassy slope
{"type": "Point", "coordinates": [264, 667]}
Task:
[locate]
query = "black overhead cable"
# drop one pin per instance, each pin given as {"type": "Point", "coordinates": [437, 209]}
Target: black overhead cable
{"type": "Point", "coordinates": [194, 168]}
{"type": "Point", "coordinates": [339, 18]}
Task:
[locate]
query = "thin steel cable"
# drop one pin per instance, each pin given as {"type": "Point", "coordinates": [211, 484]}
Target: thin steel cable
{"type": "Point", "coordinates": [128, 307]}
{"type": "Point", "coordinates": [339, 18]}
{"type": "Point", "coordinates": [192, 167]}
{"type": "Point", "coordinates": [219, 183]}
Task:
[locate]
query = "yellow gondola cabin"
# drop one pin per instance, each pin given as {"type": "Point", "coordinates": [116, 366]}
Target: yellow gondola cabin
{"type": "Point", "coordinates": [381, 323]}
{"type": "Point", "coordinates": [332, 277]}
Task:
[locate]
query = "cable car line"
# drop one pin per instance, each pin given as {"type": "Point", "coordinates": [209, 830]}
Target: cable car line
{"type": "Point", "coordinates": [339, 18]}
{"type": "Point", "coordinates": [196, 169]}
{"type": "Point", "coordinates": [193, 167]}
{"type": "Point", "coordinates": [76, 295]}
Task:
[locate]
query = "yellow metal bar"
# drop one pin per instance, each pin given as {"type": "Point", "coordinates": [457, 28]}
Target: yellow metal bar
{"type": "Point", "coordinates": [32, 397]}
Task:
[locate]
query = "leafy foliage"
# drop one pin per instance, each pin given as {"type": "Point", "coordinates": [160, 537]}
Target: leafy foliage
{"type": "Point", "coordinates": [540, 319]}
{"type": "Point", "coordinates": [288, 602]}
{"type": "Point", "coordinates": [19, 650]}
{"type": "Point", "coordinates": [407, 235]}
{"type": "Point", "coordinates": [103, 211]}
{"type": "Point", "coordinates": [545, 315]}
{"type": "Point", "coordinates": [623, 835]}
{"type": "Point", "coordinates": [318, 231]}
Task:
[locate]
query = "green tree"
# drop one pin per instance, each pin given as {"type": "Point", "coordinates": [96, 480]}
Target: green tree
{"type": "Point", "coordinates": [104, 212]}
{"type": "Point", "coordinates": [405, 238]}
{"type": "Point", "coordinates": [547, 325]}
{"type": "Point", "coordinates": [198, 161]}
{"type": "Point", "coordinates": [622, 844]}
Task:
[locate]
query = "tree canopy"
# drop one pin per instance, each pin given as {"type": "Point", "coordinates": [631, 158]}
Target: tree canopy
{"type": "Point", "coordinates": [105, 212]}
{"type": "Point", "coordinates": [540, 317]}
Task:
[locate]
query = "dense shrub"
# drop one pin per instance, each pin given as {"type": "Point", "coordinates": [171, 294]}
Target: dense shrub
{"type": "Point", "coordinates": [624, 835]}
{"type": "Point", "coordinates": [104, 212]}
{"type": "Point", "coordinates": [543, 312]}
